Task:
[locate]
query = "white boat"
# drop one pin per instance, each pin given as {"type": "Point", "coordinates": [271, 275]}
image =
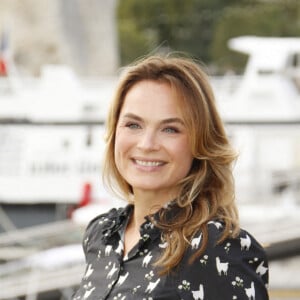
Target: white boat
{"type": "Point", "coordinates": [52, 141]}
{"type": "Point", "coordinates": [262, 115]}
{"type": "Point", "coordinates": [269, 91]}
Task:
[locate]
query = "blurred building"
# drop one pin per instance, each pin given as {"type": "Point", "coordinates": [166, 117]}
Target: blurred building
{"type": "Point", "coordinates": [80, 33]}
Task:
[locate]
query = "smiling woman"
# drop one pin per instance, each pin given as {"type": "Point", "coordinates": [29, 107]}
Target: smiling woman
{"type": "Point", "coordinates": [169, 156]}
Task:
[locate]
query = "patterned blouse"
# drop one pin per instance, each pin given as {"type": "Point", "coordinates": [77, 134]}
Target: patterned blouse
{"type": "Point", "coordinates": [234, 269]}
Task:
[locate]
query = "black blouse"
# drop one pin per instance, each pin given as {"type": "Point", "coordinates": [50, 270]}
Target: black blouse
{"type": "Point", "coordinates": [234, 269]}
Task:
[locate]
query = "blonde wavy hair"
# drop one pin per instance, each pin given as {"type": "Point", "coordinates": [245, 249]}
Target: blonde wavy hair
{"type": "Point", "coordinates": [207, 192]}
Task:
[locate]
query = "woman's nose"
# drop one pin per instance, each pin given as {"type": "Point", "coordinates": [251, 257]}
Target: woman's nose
{"type": "Point", "coordinates": [148, 140]}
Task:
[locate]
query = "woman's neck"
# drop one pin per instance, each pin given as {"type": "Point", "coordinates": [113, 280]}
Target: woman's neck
{"type": "Point", "coordinates": [146, 203]}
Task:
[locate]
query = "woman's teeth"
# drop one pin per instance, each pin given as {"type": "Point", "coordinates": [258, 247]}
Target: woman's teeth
{"type": "Point", "coordinates": [148, 163]}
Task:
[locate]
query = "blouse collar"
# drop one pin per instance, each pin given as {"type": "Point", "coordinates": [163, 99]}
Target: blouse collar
{"type": "Point", "coordinates": [116, 220]}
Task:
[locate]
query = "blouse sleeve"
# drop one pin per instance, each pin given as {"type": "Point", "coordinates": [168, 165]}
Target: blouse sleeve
{"type": "Point", "coordinates": [234, 269]}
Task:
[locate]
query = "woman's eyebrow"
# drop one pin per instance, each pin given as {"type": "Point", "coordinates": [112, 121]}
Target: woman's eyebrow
{"type": "Point", "coordinates": [168, 120]}
{"type": "Point", "coordinates": [172, 120]}
{"type": "Point", "coordinates": [132, 116]}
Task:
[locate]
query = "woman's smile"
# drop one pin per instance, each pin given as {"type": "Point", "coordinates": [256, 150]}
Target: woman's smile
{"type": "Point", "coordinates": [148, 163]}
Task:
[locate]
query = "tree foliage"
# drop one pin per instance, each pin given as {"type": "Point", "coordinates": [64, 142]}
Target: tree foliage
{"type": "Point", "coordinates": [281, 19]}
{"type": "Point", "coordinates": [200, 28]}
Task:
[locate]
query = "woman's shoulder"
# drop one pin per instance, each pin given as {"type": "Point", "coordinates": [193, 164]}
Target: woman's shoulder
{"type": "Point", "coordinates": [111, 217]}
{"type": "Point", "coordinates": [242, 241]}
{"type": "Point", "coordinates": [102, 218]}
{"type": "Point", "coordinates": [238, 263]}
{"type": "Point", "coordinates": [242, 252]}
{"type": "Point", "coordinates": [107, 223]}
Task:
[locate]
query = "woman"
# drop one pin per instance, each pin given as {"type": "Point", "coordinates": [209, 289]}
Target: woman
{"type": "Point", "coordinates": [168, 155]}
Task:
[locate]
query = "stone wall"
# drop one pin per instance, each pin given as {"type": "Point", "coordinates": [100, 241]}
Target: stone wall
{"type": "Point", "coordinates": [80, 33]}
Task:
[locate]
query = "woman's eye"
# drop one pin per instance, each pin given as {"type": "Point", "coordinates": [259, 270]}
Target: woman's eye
{"type": "Point", "coordinates": [171, 130]}
{"type": "Point", "coordinates": [133, 126]}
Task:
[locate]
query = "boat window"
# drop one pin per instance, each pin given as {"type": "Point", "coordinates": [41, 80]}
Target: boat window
{"type": "Point", "coordinates": [265, 72]}
{"type": "Point", "coordinates": [293, 69]}
{"type": "Point", "coordinates": [295, 61]}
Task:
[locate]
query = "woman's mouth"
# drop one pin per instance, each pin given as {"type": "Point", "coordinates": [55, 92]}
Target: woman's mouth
{"type": "Point", "coordinates": [148, 163]}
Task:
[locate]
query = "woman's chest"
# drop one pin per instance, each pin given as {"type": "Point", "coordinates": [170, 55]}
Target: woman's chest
{"type": "Point", "coordinates": [110, 276]}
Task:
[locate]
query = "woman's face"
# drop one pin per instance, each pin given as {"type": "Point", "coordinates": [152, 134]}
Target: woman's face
{"type": "Point", "coordinates": [152, 149]}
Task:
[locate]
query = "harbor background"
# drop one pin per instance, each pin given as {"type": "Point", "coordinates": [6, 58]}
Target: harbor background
{"type": "Point", "coordinates": [63, 59]}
